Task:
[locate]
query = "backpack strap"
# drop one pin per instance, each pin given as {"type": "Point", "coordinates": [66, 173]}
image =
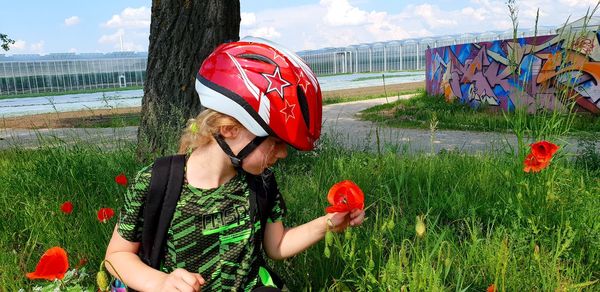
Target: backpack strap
{"type": "Point", "coordinates": [263, 188]}
{"type": "Point", "coordinates": [259, 201]}
{"type": "Point", "coordinates": [165, 187]}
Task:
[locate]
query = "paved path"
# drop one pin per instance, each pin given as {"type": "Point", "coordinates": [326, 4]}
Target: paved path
{"type": "Point", "coordinates": [339, 120]}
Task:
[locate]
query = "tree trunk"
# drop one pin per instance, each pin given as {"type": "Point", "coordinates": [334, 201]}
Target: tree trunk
{"type": "Point", "coordinates": [182, 34]}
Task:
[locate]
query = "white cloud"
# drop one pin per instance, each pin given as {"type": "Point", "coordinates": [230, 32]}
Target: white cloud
{"type": "Point", "coordinates": [248, 19]}
{"type": "Point", "coordinates": [19, 45]}
{"type": "Point", "coordinates": [433, 16]}
{"type": "Point", "coordinates": [114, 41]}
{"type": "Point", "coordinates": [581, 3]}
{"type": "Point", "coordinates": [38, 47]}
{"type": "Point", "coordinates": [112, 38]}
{"type": "Point", "coordinates": [478, 14]}
{"type": "Point", "coordinates": [73, 20]}
{"type": "Point", "coordinates": [130, 18]}
{"type": "Point", "coordinates": [24, 47]}
{"type": "Point", "coordinates": [129, 29]}
{"type": "Point", "coordinates": [340, 12]}
{"type": "Point", "coordinates": [72, 50]}
{"type": "Point", "coordinates": [265, 32]}
{"type": "Point", "coordinates": [338, 23]}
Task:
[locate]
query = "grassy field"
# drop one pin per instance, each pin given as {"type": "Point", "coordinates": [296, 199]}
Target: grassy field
{"type": "Point", "coordinates": [334, 100]}
{"type": "Point", "coordinates": [386, 76]}
{"type": "Point", "coordinates": [487, 222]}
{"type": "Point", "coordinates": [70, 92]}
{"type": "Point", "coordinates": [418, 112]}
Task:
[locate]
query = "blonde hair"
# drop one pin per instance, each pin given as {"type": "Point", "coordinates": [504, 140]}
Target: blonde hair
{"type": "Point", "coordinates": [201, 130]}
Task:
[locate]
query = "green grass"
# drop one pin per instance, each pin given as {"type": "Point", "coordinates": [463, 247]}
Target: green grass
{"type": "Point", "coordinates": [418, 112]}
{"type": "Point", "coordinates": [386, 76]}
{"type": "Point", "coordinates": [334, 100]}
{"type": "Point", "coordinates": [484, 217]}
{"type": "Point", "coordinates": [108, 121]}
{"type": "Point", "coordinates": [41, 94]}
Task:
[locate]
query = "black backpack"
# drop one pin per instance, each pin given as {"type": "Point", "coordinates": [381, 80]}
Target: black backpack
{"type": "Point", "coordinates": [166, 183]}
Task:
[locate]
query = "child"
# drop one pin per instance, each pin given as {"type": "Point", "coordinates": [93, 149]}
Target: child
{"type": "Point", "coordinates": [259, 98]}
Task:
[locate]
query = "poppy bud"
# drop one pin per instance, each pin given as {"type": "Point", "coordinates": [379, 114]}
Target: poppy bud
{"type": "Point", "coordinates": [391, 224]}
{"type": "Point", "coordinates": [348, 234]}
{"type": "Point", "coordinates": [420, 226]}
{"type": "Point", "coordinates": [328, 238]}
{"type": "Point", "coordinates": [536, 252]}
{"type": "Point", "coordinates": [102, 280]}
{"type": "Point", "coordinates": [326, 252]}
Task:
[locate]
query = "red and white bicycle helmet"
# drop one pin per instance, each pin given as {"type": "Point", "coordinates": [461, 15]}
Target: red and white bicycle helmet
{"type": "Point", "coordinates": [266, 87]}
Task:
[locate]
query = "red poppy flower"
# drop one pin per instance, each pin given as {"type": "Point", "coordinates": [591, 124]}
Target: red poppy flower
{"type": "Point", "coordinates": [491, 288]}
{"type": "Point", "coordinates": [53, 265]}
{"type": "Point", "coordinates": [121, 179]}
{"type": "Point", "coordinates": [67, 207]}
{"type": "Point", "coordinates": [104, 214]}
{"type": "Point", "coordinates": [345, 196]}
{"type": "Point", "coordinates": [543, 150]}
{"type": "Point", "coordinates": [534, 164]}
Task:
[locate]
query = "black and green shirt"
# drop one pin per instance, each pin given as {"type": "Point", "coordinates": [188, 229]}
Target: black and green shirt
{"type": "Point", "coordinates": [211, 232]}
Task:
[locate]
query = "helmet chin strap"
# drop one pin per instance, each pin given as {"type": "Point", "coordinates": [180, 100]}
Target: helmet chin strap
{"type": "Point", "coordinates": [237, 160]}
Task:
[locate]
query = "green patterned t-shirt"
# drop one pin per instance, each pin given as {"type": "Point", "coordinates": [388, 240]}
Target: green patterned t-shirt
{"type": "Point", "coordinates": [211, 232]}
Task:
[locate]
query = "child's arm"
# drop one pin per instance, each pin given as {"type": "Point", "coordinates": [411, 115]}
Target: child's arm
{"type": "Point", "coordinates": [122, 254]}
{"type": "Point", "coordinates": [280, 243]}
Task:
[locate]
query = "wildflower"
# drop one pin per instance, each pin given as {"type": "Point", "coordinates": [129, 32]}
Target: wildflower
{"type": "Point", "coordinates": [82, 262]}
{"type": "Point", "coordinates": [52, 265]}
{"type": "Point", "coordinates": [543, 150]}
{"type": "Point", "coordinates": [104, 214]}
{"type": "Point", "coordinates": [533, 164]}
{"type": "Point", "coordinates": [345, 196]}
{"type": "Point", "coordinates": [121, 179]}
{"type": "Point", "coordinates": [540, 156]}
{"type": "Point", "coordinates": [491, 288]}
{"type": "Point", "coordinates": [67, 207]}
{"type": "Point", "coordinates": [420, 226]}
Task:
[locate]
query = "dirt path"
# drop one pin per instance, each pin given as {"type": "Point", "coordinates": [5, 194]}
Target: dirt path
{"type": "Point", "coordinates": [339, 122]}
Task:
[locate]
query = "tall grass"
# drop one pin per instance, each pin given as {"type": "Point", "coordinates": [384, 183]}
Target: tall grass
{"type": "Point", "coordinates": [34, 183]}
{"type": "Point", "coordinates": [487, 221]}
{"type": "Point", "coordinates": [485, 217]}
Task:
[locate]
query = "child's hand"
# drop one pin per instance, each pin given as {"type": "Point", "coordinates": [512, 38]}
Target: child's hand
{"type": "Point", "coordinates": [181, 280]}
{"type": "Point", "coordinates": [338, 222]}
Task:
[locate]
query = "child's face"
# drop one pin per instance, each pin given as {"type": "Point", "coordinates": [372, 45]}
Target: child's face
{"type": "Point", "coordinates": [265, 155]}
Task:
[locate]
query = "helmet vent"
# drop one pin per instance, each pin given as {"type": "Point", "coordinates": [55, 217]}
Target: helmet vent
{"type": "Point", "coordinates": [303, 106]}
{"type": "Point", "coordinates": [257, 57]}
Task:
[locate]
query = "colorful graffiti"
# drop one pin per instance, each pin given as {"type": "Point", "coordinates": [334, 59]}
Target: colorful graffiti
{"type": "Point", "coordinates": [546, 72]}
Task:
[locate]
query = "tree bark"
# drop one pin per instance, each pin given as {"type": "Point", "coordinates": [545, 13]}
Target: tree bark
{"type": "Point", "coordinates": [182, 34]}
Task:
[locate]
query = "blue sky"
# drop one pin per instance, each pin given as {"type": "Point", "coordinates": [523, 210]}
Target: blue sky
{"type": "Point", "coordinates": [42, 27]}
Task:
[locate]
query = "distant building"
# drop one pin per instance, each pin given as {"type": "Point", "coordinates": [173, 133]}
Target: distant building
{"type": "Point", "coordinates": [25, 74]}
{"type": "Point", "coordinates": [31, 74]}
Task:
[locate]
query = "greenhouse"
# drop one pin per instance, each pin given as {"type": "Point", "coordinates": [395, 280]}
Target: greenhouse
{"type": "Point", "coordinates": [31, 74]}
{"type": "Point", "coordinates": [400, 55]}
{"type": "Point", "coordinates": [70, 72]}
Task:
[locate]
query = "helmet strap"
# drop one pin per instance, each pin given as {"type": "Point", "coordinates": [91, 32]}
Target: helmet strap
{"type": "Point", "coordinates": [236, 160]}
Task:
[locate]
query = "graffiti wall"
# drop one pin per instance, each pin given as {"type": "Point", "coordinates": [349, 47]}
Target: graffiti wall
{"type": "Point", "coordinates": [534, 72]}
